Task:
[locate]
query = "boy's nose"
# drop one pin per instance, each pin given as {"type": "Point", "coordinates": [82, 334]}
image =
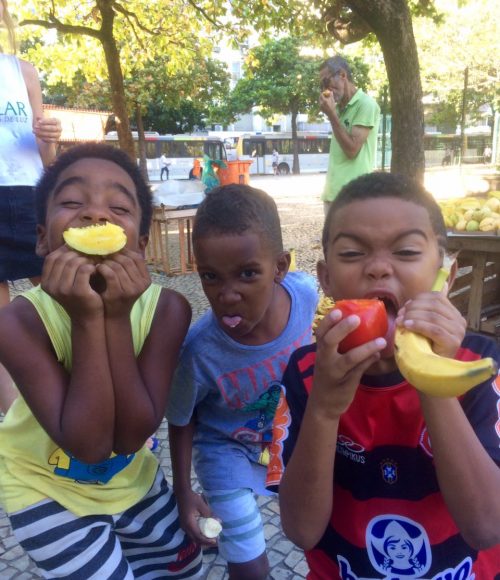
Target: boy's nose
{"type": "Point", "coordinates": [379, 268]}
{"type": "Point", "coordinates": [229, 295]}
{"type": "Point", "coordinates": [94, 215]}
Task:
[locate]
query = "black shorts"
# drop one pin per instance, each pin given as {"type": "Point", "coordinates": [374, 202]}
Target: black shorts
{"type": "Point", "coordinates": [18, 259]}
{"type": "Point", "coordinates": [275, 164]}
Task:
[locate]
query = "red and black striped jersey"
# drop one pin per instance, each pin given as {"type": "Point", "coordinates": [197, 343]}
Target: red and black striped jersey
{"type": "Point", "coordinates": [390, 519]}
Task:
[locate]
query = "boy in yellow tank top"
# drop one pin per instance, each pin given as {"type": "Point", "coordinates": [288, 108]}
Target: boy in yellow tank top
{"type": "Point", "coordinates": [93, 363]}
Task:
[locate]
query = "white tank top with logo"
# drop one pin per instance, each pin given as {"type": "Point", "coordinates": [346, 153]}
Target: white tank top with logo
{"type": "Point", "coordinates": [20, 161]}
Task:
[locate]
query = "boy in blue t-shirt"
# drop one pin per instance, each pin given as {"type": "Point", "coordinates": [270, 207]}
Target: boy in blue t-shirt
{"type": "Point", "coordinates": [227, 385]}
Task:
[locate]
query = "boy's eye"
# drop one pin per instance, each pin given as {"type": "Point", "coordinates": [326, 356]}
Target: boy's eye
{"type": "Point", "coordinates": [408, 253]}
{"type": "Point", "coordinates": [248, 274]}
{"type": "Point", "coordinates": [71, 203]}
{"type": "Point", "coordinates": [120, 210]}
{"type": "Point", "coordinates": [347, 254]}
{"type": "Point", "coordinates": [206, 276]}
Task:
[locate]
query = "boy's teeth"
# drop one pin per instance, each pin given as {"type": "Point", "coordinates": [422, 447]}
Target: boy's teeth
{"type": "Point", "coordinates": [231, 321]}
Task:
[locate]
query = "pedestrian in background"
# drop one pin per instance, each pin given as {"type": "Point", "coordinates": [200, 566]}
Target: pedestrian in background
{"type": "Point", "coordinates": [276, 161]}
{"type": "Point", "coordinates": [487, 154]}
{"type": "Point", "coordinates": [164, 166]}
{"type": "Point", "coordinates": [354, 117]}
{"type": "Point", "coordinates": [27, 144]}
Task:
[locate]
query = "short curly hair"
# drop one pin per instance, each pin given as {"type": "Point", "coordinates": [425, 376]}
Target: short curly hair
{"type": "Point", "coordinates": [235, 209]}
{"type": "Point", "coordinates": [46, 184]}
{"type": "Point", "coordinates": [378, 185]}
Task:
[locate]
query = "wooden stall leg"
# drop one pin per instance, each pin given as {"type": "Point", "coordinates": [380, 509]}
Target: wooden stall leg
{"type": "Point", "coordinates": [476, 292]}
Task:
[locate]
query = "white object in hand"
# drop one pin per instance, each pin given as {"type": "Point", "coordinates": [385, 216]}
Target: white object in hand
{"type": "Point", "coordinates": [210, 527]}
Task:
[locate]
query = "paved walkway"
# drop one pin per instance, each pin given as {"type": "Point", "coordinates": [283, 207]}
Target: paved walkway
{"type": "Point", "coordinates": [301, 214]}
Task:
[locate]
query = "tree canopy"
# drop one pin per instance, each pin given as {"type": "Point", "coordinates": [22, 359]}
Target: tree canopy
{"type": "Point", "coordinates": [110, 39]}
{"type": "Point", "coordinates": [278, 80]}
{"type": "Point", "coordinates": [118, 42]}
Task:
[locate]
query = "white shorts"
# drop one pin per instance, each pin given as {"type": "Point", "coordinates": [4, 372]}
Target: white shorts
{"type": "Point", "coordinates": [242, 537]}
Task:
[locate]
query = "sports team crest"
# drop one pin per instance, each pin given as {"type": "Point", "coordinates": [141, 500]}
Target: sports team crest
{"type": "Point", "coordinates": [389, 471]}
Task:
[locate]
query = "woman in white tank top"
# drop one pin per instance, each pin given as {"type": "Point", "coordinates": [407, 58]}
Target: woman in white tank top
{"type": "Point", "coordinates": [27, 144]}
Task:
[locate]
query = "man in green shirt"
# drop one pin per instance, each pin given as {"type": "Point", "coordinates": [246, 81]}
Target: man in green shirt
{"type": "Point", "coordinates": [354, 117]}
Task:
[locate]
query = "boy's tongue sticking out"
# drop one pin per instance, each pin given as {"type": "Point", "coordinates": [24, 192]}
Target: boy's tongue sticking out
{"type": "Point", "coordinates": [231, 321]}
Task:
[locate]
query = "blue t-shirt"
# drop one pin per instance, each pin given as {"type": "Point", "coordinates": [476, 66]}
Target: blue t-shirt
{"type": "Point", "coordinates": [235, 389]}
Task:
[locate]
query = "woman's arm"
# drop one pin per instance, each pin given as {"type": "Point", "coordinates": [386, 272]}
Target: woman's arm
{"type": "Point", "coordinates": [47, 130]}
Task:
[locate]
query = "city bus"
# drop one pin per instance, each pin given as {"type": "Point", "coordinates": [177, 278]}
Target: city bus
{"type": "Point", "coordinates": [181, 151]}
{"type": "Point", "coordinates": [314, 148]}
{"type": "Point", "coordinates": [436, 146]}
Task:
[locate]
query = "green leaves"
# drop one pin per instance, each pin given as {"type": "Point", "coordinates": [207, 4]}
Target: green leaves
{"type": "Point", "coordinates": [279, 79]}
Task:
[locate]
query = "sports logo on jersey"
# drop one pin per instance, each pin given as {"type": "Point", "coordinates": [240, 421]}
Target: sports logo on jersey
{"type": "Point", "coordinates": [398, 546]}
{"type": "Point", "coordinates": [389, 469]}
{"type": "Point", "coordinates": [350, 449]}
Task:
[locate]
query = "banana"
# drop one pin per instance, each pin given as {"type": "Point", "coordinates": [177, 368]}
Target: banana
{"type": "Point", "coordinates": [433, 374]}
{"type": "Point", "coordinates": [436, 375]}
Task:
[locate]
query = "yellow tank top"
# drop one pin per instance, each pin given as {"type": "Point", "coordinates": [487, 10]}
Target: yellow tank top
{"type": "Point", "coordinates": [33, 467]}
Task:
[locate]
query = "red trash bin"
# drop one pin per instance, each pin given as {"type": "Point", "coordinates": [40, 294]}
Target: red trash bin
{"type": "Point", "coordinates": [237, 171]}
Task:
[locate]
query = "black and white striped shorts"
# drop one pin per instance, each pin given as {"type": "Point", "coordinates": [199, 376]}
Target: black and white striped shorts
{"type": "Point", "coordinates": [145, 541]}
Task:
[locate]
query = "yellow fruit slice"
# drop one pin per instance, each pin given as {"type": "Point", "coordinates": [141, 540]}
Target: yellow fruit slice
{"type": "Point", "coordinates": [96, 240]}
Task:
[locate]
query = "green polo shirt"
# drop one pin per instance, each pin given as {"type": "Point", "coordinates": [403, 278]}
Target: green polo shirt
{"type": "Point", "coordinates": [360, 110]}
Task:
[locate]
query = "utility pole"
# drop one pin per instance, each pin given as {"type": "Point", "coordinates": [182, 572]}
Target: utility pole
{"type": "Point", "coordinates": [463, 141]}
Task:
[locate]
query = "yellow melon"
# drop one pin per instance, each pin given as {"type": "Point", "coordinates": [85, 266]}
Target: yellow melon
{"type": "Point", "coordinates": [96, 240]}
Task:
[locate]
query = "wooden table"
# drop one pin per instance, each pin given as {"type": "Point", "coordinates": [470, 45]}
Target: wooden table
{"type": "Point", "coordinates": [169, 249]}
{"type": "Point", "coordinates": [476, 291]}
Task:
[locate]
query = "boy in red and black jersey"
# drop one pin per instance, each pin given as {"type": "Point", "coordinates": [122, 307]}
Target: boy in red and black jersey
{"type": "Point", "coordinates": [382, 480]}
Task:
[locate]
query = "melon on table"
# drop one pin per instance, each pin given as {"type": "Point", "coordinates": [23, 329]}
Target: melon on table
{"type": "Point", "coordinates": [96, 240]}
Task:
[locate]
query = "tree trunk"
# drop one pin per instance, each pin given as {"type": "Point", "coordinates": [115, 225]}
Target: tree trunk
{"type": "Point", "coordinates": [141, 141]}
{"type": "Point", "coordinates": [391, 22]}
{"type": "Point", "coordinates": [295, 142]}
{"type": "Point", "coordinates": [112, 56]}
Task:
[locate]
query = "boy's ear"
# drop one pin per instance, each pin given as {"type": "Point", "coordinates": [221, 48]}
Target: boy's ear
{"type": "Point", "coordinates": [282, 266]}
{"type": "Point", "coordinates": [41, 247]}
{"type": "Point", "coordinates": [323, 277]}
